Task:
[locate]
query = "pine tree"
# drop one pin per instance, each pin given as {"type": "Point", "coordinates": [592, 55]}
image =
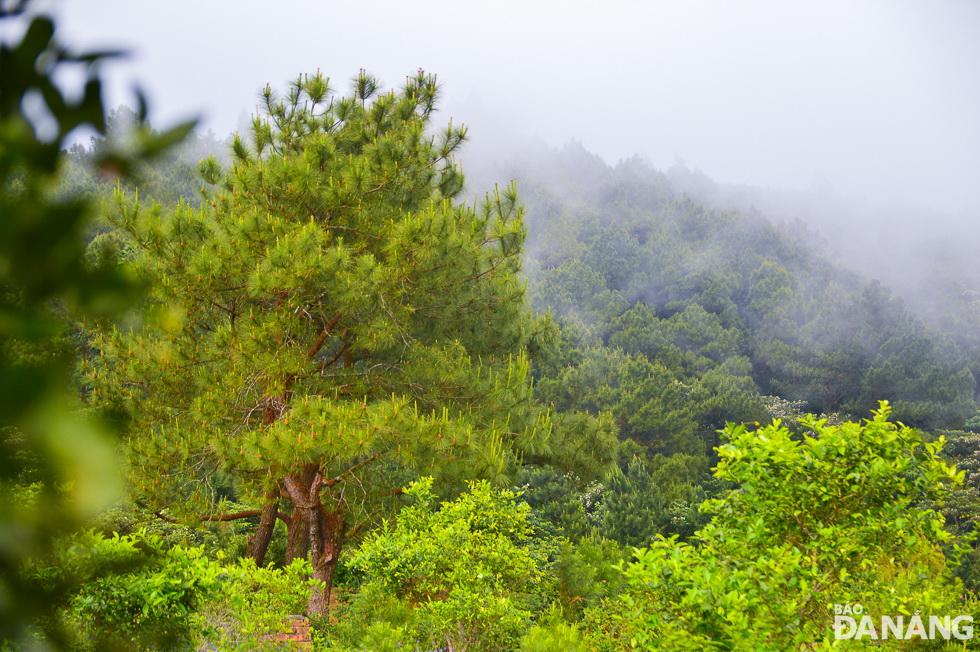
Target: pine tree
{"type": "Point", "coordinates": [329, 324]}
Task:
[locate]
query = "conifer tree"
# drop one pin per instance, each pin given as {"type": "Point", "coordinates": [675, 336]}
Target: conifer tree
{"type": "Point", "coordinates": [329, 323]}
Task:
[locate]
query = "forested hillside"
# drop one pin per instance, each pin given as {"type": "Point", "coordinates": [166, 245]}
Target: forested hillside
{"type": "Point", "coordinates": [628, 261]}
{"type": "Point", "coordinates": [595, 409]}
{"type": "Point", "coordinates": [676, 318]}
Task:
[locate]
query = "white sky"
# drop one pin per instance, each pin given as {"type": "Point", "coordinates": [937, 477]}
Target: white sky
{"type": "Point", "coordinates": [879, 98]}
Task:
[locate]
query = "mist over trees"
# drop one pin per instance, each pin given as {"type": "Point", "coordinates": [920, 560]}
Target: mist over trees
{"type": "Point", "coordinates": [607, 407]}
{"type": "Point", "coordinates": [648, 262]}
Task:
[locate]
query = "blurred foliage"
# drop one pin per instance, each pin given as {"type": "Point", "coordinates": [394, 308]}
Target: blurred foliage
{"type": "Point", "coordinates": [62, 460]}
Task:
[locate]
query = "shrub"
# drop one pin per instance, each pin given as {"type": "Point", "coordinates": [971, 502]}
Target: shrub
{"type": "Point", "coordinates": [132, 592]}
{"type": "Point", "coordinates": [463, 576]}
{"type": "Point", "coordinates": [833, 516]}
{"type": "Point", "coordinates": [253, 604]}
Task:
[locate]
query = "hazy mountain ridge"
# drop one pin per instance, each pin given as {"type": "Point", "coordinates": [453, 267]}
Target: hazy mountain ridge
{"type": "Point", "coordinates": [815, 315]}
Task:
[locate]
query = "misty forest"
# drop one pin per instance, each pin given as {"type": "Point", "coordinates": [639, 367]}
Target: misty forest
{"type": "Point", "coordinates": [348, 380]}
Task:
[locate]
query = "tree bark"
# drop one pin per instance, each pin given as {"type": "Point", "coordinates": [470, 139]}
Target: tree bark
{"type": "Point", "coordinates": [316, 528]}
{"type": "Point", "coordinates": [326, 539]}
{"type": "Point", "coordinates": [297, 534]}
{"type": "Point", "coordinates": [299, 488]}
{"type": "Point", "coordinates": [258, 542]}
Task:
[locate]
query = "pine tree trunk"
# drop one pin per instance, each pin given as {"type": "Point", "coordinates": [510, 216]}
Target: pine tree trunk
{"type": "Point", "coordinates": [326, 541]}
{"type": "Point", "coordinates": [315, 528]}
{"type": "Point", "coordinates": [258, 542]}
{"type": "Point", "coordinates": [299, 488]}
{"type": "Point", "coordinates": [297, 534]}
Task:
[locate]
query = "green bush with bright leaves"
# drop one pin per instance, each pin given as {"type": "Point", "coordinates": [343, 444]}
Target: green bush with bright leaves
{"type": "Point", "coordinates": [553, 633]}
{"type": "Point", "coordinates": [829, 516]}
{"type": "Point", "coordinates": [253, 606]}
{"type": "Point", "coordinates": [137, 592]}
{"type": "Point", "coordinates": [466, 574]}
{"type": "Point", "coordinates": [132, 591]}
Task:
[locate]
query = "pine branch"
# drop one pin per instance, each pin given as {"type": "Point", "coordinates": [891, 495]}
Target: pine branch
{"type": "Point", "coordinates": [326, 364]}
{"type": "Point", "coordinates": [327, 329]}
{"type": "Point", "coordinates": [320, 482]}
{"type": "Point", "coordinates": [360, 525]}
{"type": "Point", "coordinates": [213, 518]}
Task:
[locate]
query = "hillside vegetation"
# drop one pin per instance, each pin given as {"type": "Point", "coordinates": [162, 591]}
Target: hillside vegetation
{"type": "Point", "coordinates": [589, 411]}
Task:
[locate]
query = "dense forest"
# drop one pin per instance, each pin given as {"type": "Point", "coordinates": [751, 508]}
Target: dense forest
{"type": "Point", "coordinates": [318, 369]}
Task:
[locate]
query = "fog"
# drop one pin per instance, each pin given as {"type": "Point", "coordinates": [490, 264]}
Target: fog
{"type": "Point", "coordinates": [876, 98]}
{"type": "Point", "coordinates": [858, 117]}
